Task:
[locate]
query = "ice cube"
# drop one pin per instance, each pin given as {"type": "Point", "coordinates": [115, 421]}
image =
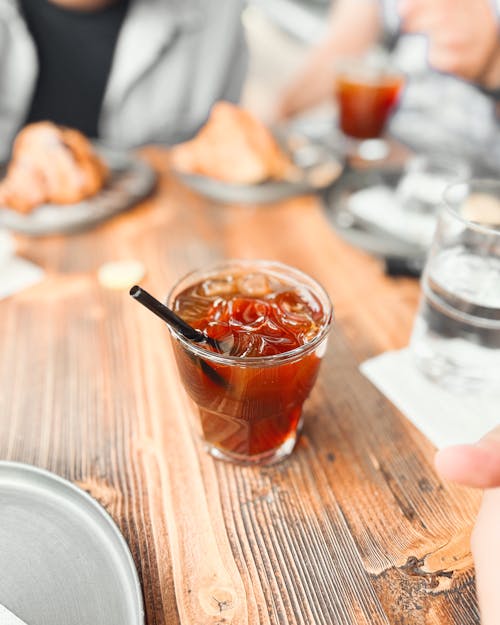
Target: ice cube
{"type": "Point", "coordinates": [216, 287]}
{"type": "Point", "coordinates": [254, 284]}
{"type": "Point", "coordinates": [221, 332]}
{"type": "Point", "coordinates": [472, 277]}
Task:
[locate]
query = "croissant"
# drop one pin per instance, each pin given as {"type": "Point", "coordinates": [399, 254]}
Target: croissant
{"type": "Point", "coordinates": [233, 146]}
{"type": "Point", "coordinates": [51, 164]}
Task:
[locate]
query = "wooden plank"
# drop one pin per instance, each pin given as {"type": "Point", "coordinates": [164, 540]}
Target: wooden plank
{"type": "Point", "coordinates": [355, 528]}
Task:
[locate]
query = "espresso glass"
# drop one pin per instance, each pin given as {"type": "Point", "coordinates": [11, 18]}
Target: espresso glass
{"type": "Point", "coordinates": [367, 93]}
{"type": "Point", "coordinates": [250, 407]}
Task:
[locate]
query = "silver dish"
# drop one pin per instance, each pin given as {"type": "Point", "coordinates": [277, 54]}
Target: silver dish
{"type": "Point", "coordinates": [131, 180]}
{"type": "Point", "coordinates": [360, 233]}
{"type": "Point", "coordinates": [63, 561]}
{"type": "Point", "coordinates": [319, 167]}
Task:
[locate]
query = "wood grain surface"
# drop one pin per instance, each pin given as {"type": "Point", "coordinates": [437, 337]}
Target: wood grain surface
{"type": "Point", "coordinates": [355, 528]}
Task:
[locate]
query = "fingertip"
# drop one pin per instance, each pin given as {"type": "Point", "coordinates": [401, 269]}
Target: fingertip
{"type": "Point", "coordinates": [451, 462]}
{"type": "Point", "coordinates": [477, 465]}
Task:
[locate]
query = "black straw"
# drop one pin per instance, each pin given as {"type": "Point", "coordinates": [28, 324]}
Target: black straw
{"type": "Point", "coordinates": [168, 315]}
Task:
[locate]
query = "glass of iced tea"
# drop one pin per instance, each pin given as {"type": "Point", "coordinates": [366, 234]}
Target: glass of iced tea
{"type": "Point", "coordinates": [271, 323]}
{"type": "Point", "coordinates": [367, 93]}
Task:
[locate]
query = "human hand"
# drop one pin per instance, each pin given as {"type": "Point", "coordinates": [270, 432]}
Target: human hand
{"type": "Point", "coordinates": [352, 29]}
{"type": "Point", "coordinates": [479, 465]}
{"type": "Point", "coordinates": [475, 465]}
{"type": "Point", "coordinates": [463, 35]}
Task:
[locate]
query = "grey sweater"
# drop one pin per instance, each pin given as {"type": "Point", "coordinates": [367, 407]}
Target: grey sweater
{"type": "Point", "coordinates": [173, 60]}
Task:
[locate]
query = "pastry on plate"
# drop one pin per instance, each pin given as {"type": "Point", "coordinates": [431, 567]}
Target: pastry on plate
{"type": "Point", "coordinates": [51, 165]}
{"type": "Point", "coordinates": [234, 146]}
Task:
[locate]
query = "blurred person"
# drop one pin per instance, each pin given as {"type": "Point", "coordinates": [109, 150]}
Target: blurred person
{"type": "Point", "coordinates": [448, 49]}
{"type": "Point", "coordinates": [478, 466]}
{"type": "Point", "coordinates": [126, 71]}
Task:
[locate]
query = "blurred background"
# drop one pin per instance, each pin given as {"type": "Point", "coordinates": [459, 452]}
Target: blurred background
{"type": "Point", "coordinates": [279, 34]}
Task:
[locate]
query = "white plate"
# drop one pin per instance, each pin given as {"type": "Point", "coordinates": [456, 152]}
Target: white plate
{"type": "Point", "coordinates": [131, 180]}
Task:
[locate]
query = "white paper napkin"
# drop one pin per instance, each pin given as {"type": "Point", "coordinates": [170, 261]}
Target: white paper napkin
{"type": "Point", "coordinates": [380, 207]}
{"type": "Point", "coordinates": [446, 418]}
{"type": "Point", "coordinates": [7, 618]}
{"type": "Point", "coordinates": [15, 273]}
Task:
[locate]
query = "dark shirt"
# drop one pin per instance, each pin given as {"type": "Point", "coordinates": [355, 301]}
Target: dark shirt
{"type": "Point", "coordinates": [75, 52]}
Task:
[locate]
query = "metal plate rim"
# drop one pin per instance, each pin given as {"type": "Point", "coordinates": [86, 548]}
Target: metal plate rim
{"type": "Point", "coordinates": [108, 202]}
{"type": "Point", "coordinates": [21, 469]}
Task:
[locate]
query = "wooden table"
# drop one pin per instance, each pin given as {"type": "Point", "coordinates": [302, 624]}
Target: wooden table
{"type": "Point", "coordinates": [354, 529]}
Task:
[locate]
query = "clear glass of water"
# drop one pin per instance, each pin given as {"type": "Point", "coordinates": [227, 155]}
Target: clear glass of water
{"type": "Point", "coordinates": [456, 336]}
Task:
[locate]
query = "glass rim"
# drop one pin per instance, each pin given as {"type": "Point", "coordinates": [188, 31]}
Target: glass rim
{"type": "Point", "coordinates": [260, 361]}
{"type": "Point", "coordinates": [385, 69]}
{"type": "Point", "coordinates": [452, 208]}
{"type": "Point", "coordinates": [449, 161]}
